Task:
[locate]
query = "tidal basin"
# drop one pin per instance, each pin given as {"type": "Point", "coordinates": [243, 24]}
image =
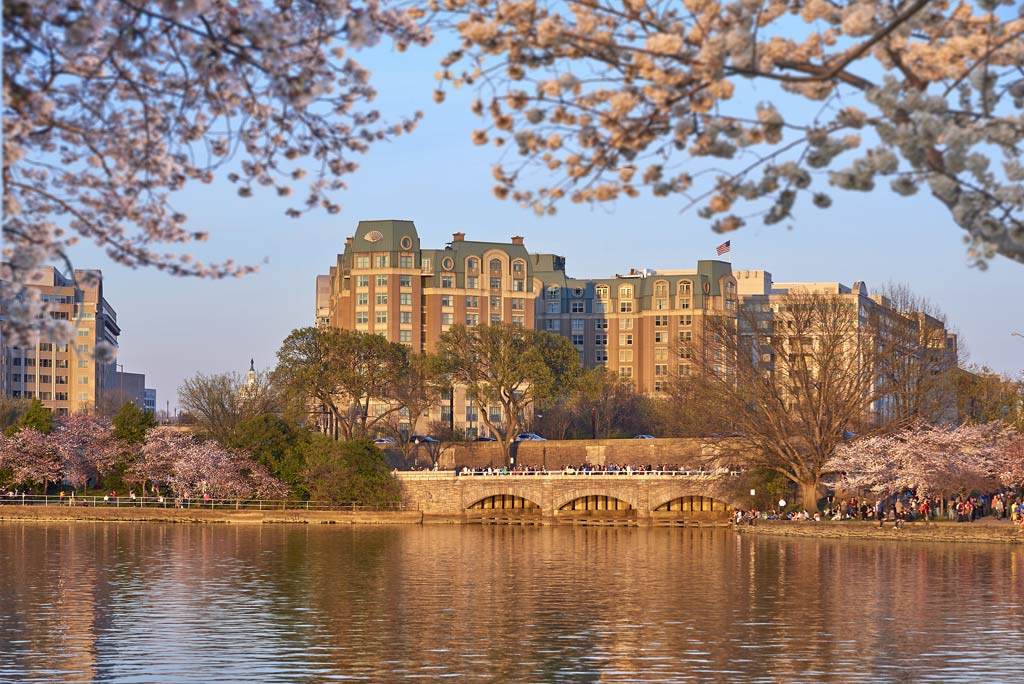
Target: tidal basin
{"type": "Point", "coordinates": [126, 602]}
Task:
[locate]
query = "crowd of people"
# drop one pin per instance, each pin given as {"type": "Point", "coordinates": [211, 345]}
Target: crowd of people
{"type": "Point", "coordinates": [904, 507]}
{"type": "Point", "coordinates": [592, 469]}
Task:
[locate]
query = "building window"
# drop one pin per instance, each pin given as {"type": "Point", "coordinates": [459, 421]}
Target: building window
{"type": "Point", "coordinates": [577, 324]}
{"type": "Point", "coordinates": [472, 264]}
{"type": "Point", "coordinates": [685, 335]}
{"type": "Point", "coordinates": [83, 332]}
{"type": "Point", "coordinates": [405, 280]}
{"type": "Point", "coordinates": [30, 361]}
{"type": "Point", "coordinates": [362, 317]}
{"type": "Point", "coordinates": [601, 356]}
{"type": "Point", "coordinates": [626, 372]}
{"type": "Point", "coordinates": [381, 260]}
{"type": "Point", "coordinates": [405, 317]}
{"type": "Point", "coordinates": [685, 353]}
{"type": "Point", "coordinates": [626, 292]}
{"type": "Point", "coordinates": [625, 339]}
{"type": "Point", "coordinates": [577, 339]}
{"type": "Point", "coordinates": [61, 396]}
{"type": "Point", "coordinates": [80, 348]}
{"type": "Point", "coordinates": [661, 289]}
{"type": "Point", "coordinates": [45, 363]}
{"type": "Point", "coordinates": [446, 318]}
{"type": "Point", "coordinates": [552, 325]}
{"type": "Point", "coordinates": [685, 294]}
{"type": "Point", "coordinates": [518, 267]}
{"type": "Point", "coordinates": [551, 307]}
{"type": "Point", "coordinates": [363, 261]}
{"type": "Point", "coordinates": [447, 282]}
{"type": "Point", "coordinates": [472, 319]}
{"type": "Point", "coordinates": [661, 370]}
{"type": "Point", "coordinates": [405, 261]}
{"type": "Point", "coordinates": [659, 385]}
{"type": "Point", "coordinates": [405, 336]}
{"type": "Point", "coordinates": [495, 266]}
{"type": "Point", "coordinates": [601, 339]}
{"type": "Point", "coordinates": [382, 298]}
{"type": "Point", "coordinates": [427, 265]}
{"type": "Point", "coordinates": [362, 299]}
{"type": "Point", "coordinates": [601, 324]}
{"type": "Point", "coordinates": [660, 337]}
{"type": "Point", "coordinates": [446, 301]}
{"type": "Point", "coordinates": [495, 317]}
{"type": "Point", "coordinates": [405, 299]}
{"type": "Point", "coordinates": [661, 321]}
{"type": "Point", "coordinates": [82, 379]}
{"type": "Point", "coordinates": [17, 360]}
{"type": "Point", "coordinates": [83, 363]}
{"type": "Point", "coordinates": [381, 280]}
{"type": "Point", "coordinates": [45, 379]}
{"type": "Point", "coordinates": [551, 292]}
{"type": "Point", "coordinates": [495, 283]}
{"type": "Point", "coordinates": [518, 285]}
{"type": "Point", "coordinates": [362, 281]}
{"type": "Point", "coordinates": [472, 302]}
{"type": "Point", "coordinates": [45, 346]}
{"type": "Point", "coordinates": [626, 307]}
{"type": "Point", "coordinates": [472, 283]}
{"type": "Point", "coordinates": [577, 307]}
{"type": "Point", "coordinates": [16, 377]}
{"type": "Point", "coordinates": [626, 324]}
{"type": "Point", "coordinates": [625, 356]}
{"type": "Point", "coordinates": [519, 321]}
{"type": "Point", "coordinates": [601, 291]}
{"type": "Point", "coordinates": [685, 320]}
{"type": "Point", "coordinates": [32, 378]}
{"type": "Point", "coordinates": [518, 304]}
{"type": "Point", "coordinates": [661, 353]}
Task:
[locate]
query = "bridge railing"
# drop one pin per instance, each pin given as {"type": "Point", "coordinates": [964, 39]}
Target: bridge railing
{"type": "Point", "coordinates": [568, 473]}
{"type": "Point", "coordinates": [193, 503]}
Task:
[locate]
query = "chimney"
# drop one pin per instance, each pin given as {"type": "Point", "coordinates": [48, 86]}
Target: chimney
{"type": "Point", "coordinates": [517, 239]}
{"type": "Point", "coordinates": [458, 237]}
{"type": "Point", "coordinates": [348, 241]}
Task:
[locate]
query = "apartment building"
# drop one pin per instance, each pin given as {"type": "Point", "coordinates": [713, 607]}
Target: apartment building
{"type": "Point", "coordinates": [647, 326]}
{"type": "Point", "coordinates": [385, 283]}
{"type": "Point", "coordinates": [917, 345]}
{"type": "Point", "coordinates": [66, 378]}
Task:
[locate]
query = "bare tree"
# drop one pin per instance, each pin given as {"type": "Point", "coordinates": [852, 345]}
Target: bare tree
{"type": "Point", "coordinates": [221, 401]}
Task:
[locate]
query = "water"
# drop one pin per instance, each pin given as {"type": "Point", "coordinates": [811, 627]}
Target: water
{"type": "Point", "coordinates": [219, 603]}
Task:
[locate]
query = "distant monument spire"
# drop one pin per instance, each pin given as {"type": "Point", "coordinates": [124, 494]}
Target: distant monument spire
{"type": "Point", "coordinates": [251, 381]}
{"type": "Point", "coordinates": [252, 364]}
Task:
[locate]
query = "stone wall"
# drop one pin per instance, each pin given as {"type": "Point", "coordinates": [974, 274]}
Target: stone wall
{"type": "Point", "coordinates": [557, 454]}
{"type": "Point", "coordinates": [200, 515]}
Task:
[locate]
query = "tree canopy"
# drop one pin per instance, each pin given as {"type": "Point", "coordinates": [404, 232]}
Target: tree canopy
{"type": "Point", "coordinates": [783, 99]}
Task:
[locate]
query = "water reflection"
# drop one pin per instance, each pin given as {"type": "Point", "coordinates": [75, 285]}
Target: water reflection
{"type": "Point", "coordinates": [118, 602]}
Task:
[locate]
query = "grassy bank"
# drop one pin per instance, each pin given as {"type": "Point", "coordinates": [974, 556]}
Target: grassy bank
{"type": "Point", "coordinates": [1000, 532]}
{"type": "Point", "coordinates": [200, 515]}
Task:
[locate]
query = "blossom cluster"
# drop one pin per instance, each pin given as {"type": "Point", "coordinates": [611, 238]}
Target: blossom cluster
{"type": "Point", "coordinates": [112, 106]}
{"type": "Point", "coordinates": [611, 97]}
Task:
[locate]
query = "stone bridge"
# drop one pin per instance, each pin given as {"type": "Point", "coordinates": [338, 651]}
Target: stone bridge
{"type": "Point", "coordinates": [555, 497]}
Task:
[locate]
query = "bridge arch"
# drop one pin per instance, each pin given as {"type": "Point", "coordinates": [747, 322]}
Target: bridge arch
{"type": "Point", "coordinates": [627, 496]}
{"type": "Point", "coordinates": [596, 502]}
{"type": "Point", "coordinates": [504, 502]}
{"type": "Point", "coordinates": [698, 504]}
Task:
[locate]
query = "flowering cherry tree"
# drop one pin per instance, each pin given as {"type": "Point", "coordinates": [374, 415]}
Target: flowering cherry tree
{"type": "Point", "coordinates": [1012, 471]}
{"type": "Point", "coordinates": [613, 97]}
{"type": "Point", "coordinates": [928, 459]}
{"type": "Point", "coordinates": [30, 458]}
{"type": "Point", "coordinates": [85, 446]}
{"type": "Point", "coordinates": [111, 106]}
{"type": "Point", "coordinates": [191, 467]}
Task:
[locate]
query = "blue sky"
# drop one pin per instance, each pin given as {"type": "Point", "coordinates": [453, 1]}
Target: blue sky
{"type": "Point", "coordinates": [173, 327]}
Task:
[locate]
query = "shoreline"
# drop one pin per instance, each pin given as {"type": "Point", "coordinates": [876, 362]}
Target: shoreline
{"type": "Point", "coordinates": [983, 531]}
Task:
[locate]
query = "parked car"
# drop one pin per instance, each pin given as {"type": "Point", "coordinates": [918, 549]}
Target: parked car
{"type": "Point", "coordinates": [529, 437]}
{"type": "Point", "coordinates": [383, 440]}
{"type": "Point", "coordinates": [644, 437]}
{"type": "Point", "coordinates": [485, 439]}
{"type": "Point", "coordinates": [423, 439]}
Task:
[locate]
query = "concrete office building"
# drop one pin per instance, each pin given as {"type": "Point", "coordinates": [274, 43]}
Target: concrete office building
{"type": "Point", "coordinates": [66, 378]}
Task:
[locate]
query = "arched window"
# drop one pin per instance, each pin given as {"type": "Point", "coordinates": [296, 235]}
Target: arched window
{"type": "Point", "coordinates": [472, 264]}
{"type": "Point", "coordinates": [495, 266]}
{"type": "Point", "coordinates": [601, 291]}
{"type": "Point", "coordinates": [519, 267]}
{"type": "Point", "coordinates": [626, 292]}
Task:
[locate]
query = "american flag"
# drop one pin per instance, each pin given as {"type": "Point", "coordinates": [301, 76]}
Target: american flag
{"type": "Point", "coordinates": [723, 248]}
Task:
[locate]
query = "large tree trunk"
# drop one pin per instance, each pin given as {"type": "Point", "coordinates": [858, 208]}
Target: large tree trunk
{"type": "Point", "coordinates": [809, 496]}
